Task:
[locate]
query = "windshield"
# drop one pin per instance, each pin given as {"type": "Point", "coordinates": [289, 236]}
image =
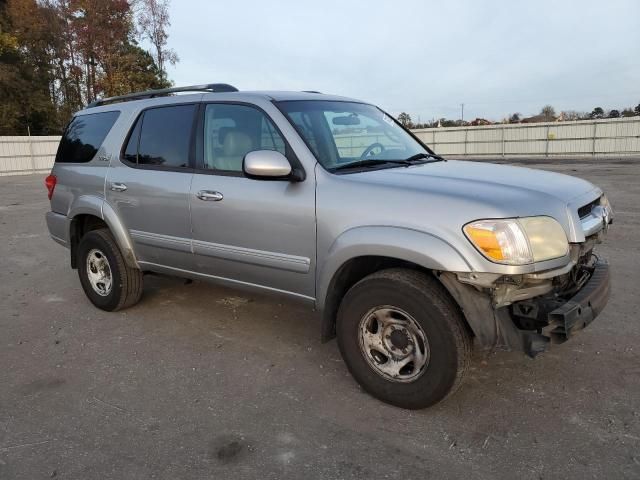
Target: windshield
{"type": "Point", "coordinates": [341, 133]}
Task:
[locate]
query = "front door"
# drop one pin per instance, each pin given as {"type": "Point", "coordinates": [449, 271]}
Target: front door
{"type": "Point", "coordinates": [248, 231]}
{"type": "Point", "coordinates": [149, 186]}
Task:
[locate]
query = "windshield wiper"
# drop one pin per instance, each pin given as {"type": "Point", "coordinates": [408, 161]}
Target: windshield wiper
{"type": "Point", "coordinates": [422, 155]}
{"type": "Point", "coordinates": [370, 163]}
{"type": "Point", "coordinates": [407, 162]}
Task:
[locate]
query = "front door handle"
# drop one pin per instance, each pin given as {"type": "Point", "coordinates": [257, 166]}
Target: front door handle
{"type": "Point", "coordinates": [118, 187]}
{"type": "Point", "coordinates": [209, 196]}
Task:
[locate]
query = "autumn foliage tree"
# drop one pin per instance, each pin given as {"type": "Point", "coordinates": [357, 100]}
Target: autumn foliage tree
{"type": "Point", "coordinates": [25, 76]}
{"type": "Point", "coordinates": [153, 19]}
{"type": "Point", "coordinates": [58, 55]}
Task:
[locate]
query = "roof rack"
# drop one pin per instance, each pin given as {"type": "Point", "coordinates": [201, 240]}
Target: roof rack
{"type": "Point", "coordinates": [311, 91]}
{"type": "Point", "coordinates": [211, 87]}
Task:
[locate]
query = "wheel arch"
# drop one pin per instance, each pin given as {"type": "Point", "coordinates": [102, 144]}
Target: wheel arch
{"type": "Point", "coordinates": [364, 250]}
{"type": "Point", "coordinates": [88, 213]}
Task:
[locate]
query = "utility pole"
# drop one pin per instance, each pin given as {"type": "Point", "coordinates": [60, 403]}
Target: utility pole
{"type": "Point", "coordinates": [462, 112]}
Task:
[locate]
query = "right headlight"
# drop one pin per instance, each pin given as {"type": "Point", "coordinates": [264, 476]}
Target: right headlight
{"type": "Point", "coordinates": [518, 241]}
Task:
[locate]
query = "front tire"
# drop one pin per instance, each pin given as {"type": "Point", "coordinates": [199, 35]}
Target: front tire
{"type": "Point", "coordinates": [105, 277]}
{"type": "Point", "coordinates": [403, 338]}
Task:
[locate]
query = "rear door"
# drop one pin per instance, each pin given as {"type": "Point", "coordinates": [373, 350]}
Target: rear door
{"type": "Point", "coordinates": [250, 231]}
{"type": "Point", "coordinates": [148, 185]}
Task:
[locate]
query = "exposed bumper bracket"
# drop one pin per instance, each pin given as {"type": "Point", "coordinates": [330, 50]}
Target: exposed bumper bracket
{"type": "Point", "coordinates": [583, 307]}
{"type": "Point", "coordinates": [568, 317]}
{"type": "Point", "coordinates": [562, 318]}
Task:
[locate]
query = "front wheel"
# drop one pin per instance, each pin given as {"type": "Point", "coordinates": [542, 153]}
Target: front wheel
{"type": "Point", "coordinates": [105, 277]}
{"type": "Point", "coordinates": [403, 338]}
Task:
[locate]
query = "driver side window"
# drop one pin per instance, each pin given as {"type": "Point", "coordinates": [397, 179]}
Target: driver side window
{"type": "Point", "coordinates": [231, 131]}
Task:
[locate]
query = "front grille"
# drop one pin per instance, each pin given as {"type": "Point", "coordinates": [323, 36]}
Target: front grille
{"type": "Point", "coordinates": [586, 209]}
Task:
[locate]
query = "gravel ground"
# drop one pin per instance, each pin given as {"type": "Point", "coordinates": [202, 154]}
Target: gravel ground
{"type": "Point", "coordinates": [202, 382]}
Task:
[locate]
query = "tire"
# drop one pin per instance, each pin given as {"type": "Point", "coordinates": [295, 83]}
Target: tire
{"type": "Point", "coordinates": [429, 325]}
{"type": "Point", "coordinates": [116, 285]}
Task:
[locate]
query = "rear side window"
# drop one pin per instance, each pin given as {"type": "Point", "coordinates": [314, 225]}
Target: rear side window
{"type": "Point", "coordinates": [83, 137]}
{"type": "Point", "coordinates": [162, 137]}
{"type": "Point", "coordinates": [231, 131]}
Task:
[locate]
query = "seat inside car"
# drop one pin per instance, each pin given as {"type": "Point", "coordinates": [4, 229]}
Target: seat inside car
{"type": "Point", "coordinates": [235, 145]}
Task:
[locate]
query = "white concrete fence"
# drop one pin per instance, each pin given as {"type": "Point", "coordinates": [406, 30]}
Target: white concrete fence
{"type": "Point", "coordinates": [616, 136]}
{"type": "Point", "coordinates": [24, 155]}
{"type": "Point", "coordinates": [587, 138]}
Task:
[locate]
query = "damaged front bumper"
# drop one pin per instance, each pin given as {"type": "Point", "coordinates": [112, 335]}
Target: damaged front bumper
{"type": "Point", "coordinates": [558, 319]}
{"type": "Point", "coordinates": [530, 311]}
{"type": "Point", "coordinates": [531, 325]}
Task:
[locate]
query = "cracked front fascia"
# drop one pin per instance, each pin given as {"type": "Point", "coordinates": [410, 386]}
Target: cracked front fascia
{"type": "Point", "coordinates": [506, 289]}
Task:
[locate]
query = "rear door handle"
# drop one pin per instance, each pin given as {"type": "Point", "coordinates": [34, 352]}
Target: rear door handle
{"type": "Point", "coordinates": [118, 187]}
{"type": "Point", "coordinates": [209, 196]}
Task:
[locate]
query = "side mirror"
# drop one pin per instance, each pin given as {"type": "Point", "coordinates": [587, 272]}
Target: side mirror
{"type": "Point", "coordinates": [266, 164]}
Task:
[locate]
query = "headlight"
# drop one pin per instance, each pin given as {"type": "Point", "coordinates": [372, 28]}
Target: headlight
{"type": "Point", "coordinates": [518, 241]}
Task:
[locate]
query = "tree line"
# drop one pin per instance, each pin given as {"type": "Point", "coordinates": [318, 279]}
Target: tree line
{"type": "Point", "coordinates": [58, 55]}
{"type": "Point", "coordinates": [547, 114]}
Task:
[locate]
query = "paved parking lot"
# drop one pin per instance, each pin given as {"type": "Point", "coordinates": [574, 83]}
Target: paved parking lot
{"type": "Point", "coordinates": [202, 382]}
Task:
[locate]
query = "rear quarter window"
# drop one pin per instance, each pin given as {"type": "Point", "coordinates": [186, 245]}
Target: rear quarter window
{"type": "Point", "coordinates": [83, 137]}
{"type": "Point", "coordinates": [161, 137]}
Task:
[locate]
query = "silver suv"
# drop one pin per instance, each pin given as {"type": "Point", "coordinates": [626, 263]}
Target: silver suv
{"type": "Point", "coordinates": [410, 258]}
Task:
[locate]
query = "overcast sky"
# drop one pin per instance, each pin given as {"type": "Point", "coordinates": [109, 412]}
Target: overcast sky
{"type": "Point", "coordinates": [422, 57]}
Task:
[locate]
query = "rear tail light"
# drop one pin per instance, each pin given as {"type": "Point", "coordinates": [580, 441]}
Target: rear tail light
{"type": "Point", "coordinates": [50, 183]}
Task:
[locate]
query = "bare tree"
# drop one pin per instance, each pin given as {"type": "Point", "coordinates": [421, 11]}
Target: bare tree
{"type": "Point", "coordinates": [549, 113]}
{"type": "Point", "coordinates": [405, 119]}
{"type": "Point", "coordinates": [153, 19]}
{"type": "Point", "coordinates": [515, 118]}
{"type": "Point", "coordinates": [570, 115]}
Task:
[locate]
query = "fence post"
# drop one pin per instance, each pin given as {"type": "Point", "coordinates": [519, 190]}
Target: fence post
{"type": "Point", "coordinates": [502, 139]}
{"type": "Point", "coordinates": [466, 131]}
{"type": "Point", "coordinates": [33, 161]}
{"type": "Point", "coordinates": [593, 146]}
{"type": "Point", "coordinates": [546, 145]}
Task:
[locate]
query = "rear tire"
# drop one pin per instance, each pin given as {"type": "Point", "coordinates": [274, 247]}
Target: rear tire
{"type": "Point", "coordinates": [105, 277]}
{"type": "Point", "coordinates": [400, 317]}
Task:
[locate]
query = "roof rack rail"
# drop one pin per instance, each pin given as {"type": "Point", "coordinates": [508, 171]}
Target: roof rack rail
{"type": "Point", "coordinates": [211, 87]}
{"type": "Point", "coordinates": [311, 91]}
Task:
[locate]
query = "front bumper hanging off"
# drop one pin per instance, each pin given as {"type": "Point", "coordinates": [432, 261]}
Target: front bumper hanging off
{"type": "Point", "coordinates": [563, 318]}
{"type": "Point", "coordinates": [583, 307]}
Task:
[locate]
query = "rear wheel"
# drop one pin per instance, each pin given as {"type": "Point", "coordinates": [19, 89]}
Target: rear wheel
{"type": "Point", "coordinates": [403, 338]}
{"type": "Point", "coordinates": [105, 277]}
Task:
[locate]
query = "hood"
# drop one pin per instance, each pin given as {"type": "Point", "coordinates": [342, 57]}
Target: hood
{"type": "Point", "coordinates": [447, 195]}
{"type": "Point", "coordinates": [482, 181]}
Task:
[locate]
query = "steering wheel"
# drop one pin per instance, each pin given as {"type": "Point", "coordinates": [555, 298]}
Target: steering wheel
{"type": "Point", "coordinates": [369, 149]}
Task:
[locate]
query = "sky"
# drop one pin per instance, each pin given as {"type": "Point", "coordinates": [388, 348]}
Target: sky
{"type": "Point", "coordinates": [422, 57]}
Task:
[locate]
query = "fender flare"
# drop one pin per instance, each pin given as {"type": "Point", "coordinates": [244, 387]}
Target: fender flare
{"type": "Point", "coordinates": [421, 248]}
{"type": "Point", "coordinates": [121, 235]}
{"type": "Point", "coordinates": [98, 207]}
